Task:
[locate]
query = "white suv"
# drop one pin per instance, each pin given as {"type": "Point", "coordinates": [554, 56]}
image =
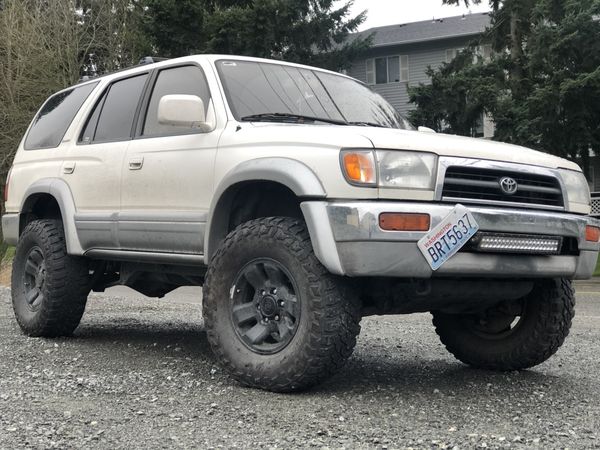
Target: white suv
{"type": "Point", "coordinates": [301, 201]}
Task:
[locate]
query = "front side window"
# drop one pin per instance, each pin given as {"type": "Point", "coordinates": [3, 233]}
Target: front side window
{"type": "Point", "coordinates": [187, 80]}
{"type": "Point", "coordinates": [113, 116]}
{"type": "Point", "coordinates": [51, 123]}
{"type": "Point", "coordinates": [276, 92]}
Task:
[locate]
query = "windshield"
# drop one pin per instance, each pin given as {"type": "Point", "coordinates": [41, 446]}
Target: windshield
{"type": "Point", "coordinates": [272, 92]}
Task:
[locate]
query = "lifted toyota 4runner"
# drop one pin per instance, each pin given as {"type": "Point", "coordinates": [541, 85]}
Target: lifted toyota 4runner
{"type": "Point", "coordinates": [301, 201]}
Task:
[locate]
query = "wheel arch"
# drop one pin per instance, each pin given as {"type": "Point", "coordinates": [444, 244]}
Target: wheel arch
{"type": "Point", "coordinates": [57, 191]}
{"type": "Point", "coordinates": [291, 176]}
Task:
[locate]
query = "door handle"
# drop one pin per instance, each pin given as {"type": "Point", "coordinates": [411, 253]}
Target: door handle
{"type": "Point", "coordinates": [69, 167]}
{"type": "Point", "coordinates": [136, 163]}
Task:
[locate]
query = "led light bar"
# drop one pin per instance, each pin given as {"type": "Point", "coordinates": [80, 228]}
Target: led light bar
{"type": "Point", "coordinates": [519, 243]}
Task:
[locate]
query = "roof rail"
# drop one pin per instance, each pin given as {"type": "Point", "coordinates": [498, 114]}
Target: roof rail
{"type": "Point", "coordinates": [85, 78]}
{"type": "Point", "coordinates": [151, 60]}
{"type": "Point", "coordinates": [144, 61]}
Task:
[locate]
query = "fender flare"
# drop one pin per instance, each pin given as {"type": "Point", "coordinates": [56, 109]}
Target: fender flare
{"type": "Point", "coordinates": [60, 190]}
{"type": "Point", "coordinates": [294, 175]}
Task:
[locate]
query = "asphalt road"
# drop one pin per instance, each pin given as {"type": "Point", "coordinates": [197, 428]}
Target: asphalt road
{"type": "Point", "coordinates": [139, 374]}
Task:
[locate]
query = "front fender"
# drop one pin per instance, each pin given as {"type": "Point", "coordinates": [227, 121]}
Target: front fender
{"type": "Point", "coordinates": [294, 175]}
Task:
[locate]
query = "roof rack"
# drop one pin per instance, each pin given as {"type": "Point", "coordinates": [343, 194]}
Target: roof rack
{"type": "Point", "coordinates": [85, 78]}
{"type": "Point", "coordinates": [144, 61]}
{"type": "Point", "coordinates": [151, 60]}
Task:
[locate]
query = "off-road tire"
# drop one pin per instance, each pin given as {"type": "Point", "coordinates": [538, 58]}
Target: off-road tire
{"type": "Point", "coordinates": [65, 287]}
{"type": "Point", "coordinates": [330, 311]}
{"type": "Point", "coordinates": [549, 310]}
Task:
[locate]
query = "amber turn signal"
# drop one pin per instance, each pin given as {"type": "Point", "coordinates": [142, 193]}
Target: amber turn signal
{"type": "Point", "coordinates": [592, 234]}
{"type": "Point", "coordinates": [404, 222]}
{"type": "Point", "coordinates": [359, 167]}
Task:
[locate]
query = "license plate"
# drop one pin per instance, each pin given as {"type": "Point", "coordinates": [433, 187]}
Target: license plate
{"type": "Point", "coordinates": [448, 237]}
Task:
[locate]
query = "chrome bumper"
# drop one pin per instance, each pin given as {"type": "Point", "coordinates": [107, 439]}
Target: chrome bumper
{"type": "Point", "coordinates": [348, 241]}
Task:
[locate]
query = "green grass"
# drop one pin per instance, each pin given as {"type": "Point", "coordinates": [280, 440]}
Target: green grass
{"type": "Point", "coordinates": [8, 255]}
{"type": "Point", "coordinates": [597, 271]}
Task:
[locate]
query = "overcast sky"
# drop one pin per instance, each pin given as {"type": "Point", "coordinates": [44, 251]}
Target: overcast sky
{"type": "Point", "coordinates": [390, 12]}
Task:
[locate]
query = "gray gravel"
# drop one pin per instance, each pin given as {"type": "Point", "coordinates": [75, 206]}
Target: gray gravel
{"type": "Point", "coordinates": [138, 373]}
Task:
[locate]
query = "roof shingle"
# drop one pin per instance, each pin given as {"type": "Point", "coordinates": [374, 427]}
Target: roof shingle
{"type": "Point", "coordinates": [429, 30]}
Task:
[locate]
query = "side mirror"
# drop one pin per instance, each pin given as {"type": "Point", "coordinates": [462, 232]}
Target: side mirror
{"type": "Point", "coordinates": [426, 130]}
{"type": "Point", "coordinates": [186, 111]}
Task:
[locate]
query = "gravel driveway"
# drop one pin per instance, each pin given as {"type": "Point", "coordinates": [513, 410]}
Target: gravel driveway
{"type": "Point", "coordinates": [139, 374]}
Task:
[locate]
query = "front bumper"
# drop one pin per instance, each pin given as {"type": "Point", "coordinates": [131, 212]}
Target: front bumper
{"type": "Point", "coordinates": [348, 241]}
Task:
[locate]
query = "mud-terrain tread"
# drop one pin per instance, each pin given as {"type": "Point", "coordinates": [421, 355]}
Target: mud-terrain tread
{"type": "Point", "coordinates": [67, 283]}
{"type": "Point", "coordinates": [334, 325]}
{"type": "Point", "coordinates": [555, 308]}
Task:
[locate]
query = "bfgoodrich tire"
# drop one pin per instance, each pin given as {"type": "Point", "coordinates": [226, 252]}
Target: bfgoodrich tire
{"type": "Point", "coordinates": [275, 318]}
{"type": "Point", "coordinates": [512, 336]}
{"type": "Point", "coordinates": [49, 287]}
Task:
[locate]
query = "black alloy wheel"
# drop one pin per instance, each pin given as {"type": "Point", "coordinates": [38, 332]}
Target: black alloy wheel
{"type": "Point", "coordinates": [49, 286]}
{"type": "Point", "coordinates": [34, 278]}
{"type": "Point", "coordinates": [498, 323]}
{"type": "Point", "coordinates": [265, 309]}
{"type": "Point", "coordinates": [275, 318]}
{"type": "Point", "coordinates": [513, 335]}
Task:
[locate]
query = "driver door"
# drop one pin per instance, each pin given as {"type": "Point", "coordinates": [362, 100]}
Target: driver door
{"type": "Point", "coordinates": [167, 176]}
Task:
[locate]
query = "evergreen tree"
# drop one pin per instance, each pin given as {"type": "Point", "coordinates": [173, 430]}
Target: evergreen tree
{"type": "Point", "coordinates": [458, 95]}
{"type": "Point", "coordinates": [542, 87]}
{"type": "Point", "coordinates": [176, 27]}
{"type": "Point", "coordinates": [305, 31]}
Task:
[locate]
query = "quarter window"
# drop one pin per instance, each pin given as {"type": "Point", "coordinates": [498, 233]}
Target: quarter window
{"type": "Point", "coordinates": [53, 120]}
{"type": "Point", "coordinates": [115, 112]}
{"type": "Point", "coordinates": [187, 80]}
{"type": "Point", "coordinates": [390, 69]}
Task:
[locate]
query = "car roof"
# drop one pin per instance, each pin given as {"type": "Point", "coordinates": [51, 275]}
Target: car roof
{"type": "Point", "coordinates": [196, 58]}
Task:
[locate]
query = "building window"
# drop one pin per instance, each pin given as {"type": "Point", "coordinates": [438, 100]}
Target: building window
{"type": "Point", "coordinates": [391, 69]}
{"type": "Point", "coordinates": [478, 130]}
{"type": "Point", "coordinates": [483, 52]}
{"type": "Point", "coordinates": [452, 53]}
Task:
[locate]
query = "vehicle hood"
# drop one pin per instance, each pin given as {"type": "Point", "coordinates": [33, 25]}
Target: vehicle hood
{"type": "Point", "coordinates": [394, 139]}
{"type": "Point", "coordinates": [459, 146]}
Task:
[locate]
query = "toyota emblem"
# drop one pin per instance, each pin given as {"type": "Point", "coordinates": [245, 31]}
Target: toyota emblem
{"type": "Point", "coordinates": [508, 185]}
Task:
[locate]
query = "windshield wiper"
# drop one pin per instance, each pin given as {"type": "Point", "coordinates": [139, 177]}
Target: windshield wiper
{"type": "Point", "coordinates": [289, 118]}
{"type": "Point", "coordinates": [367, 124]}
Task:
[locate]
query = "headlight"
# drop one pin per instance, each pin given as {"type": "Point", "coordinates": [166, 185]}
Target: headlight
{"type": "Point", "coordinates": [389, 169]}
{"type": "Point", "coordinates": [407, 170]}
{"type": "Point", "coordinates": [578, 190]}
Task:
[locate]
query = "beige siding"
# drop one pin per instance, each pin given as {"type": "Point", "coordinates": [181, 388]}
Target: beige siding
{"type": "Point", "coordinates": [419, 60]}
{"type": "Point", "coordinates": [420, 56]}
{"type": "Point", "coordinates": [358, 70]}
{"type": "Point", "coordinates": [396, 94]}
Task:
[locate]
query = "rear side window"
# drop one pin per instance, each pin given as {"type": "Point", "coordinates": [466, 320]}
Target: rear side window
{"type": "Point", "coordinates": [187, 80]}
{"type": "Point", "coordinates": [112, 118]}
{"type": "Point", "coordinates": [51, 123]}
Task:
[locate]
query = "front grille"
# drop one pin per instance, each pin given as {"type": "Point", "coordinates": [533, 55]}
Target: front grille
{"type": "Point", "coordinates": [595, 212]}
{"type": "Point", "coordinates": [483, 186]}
